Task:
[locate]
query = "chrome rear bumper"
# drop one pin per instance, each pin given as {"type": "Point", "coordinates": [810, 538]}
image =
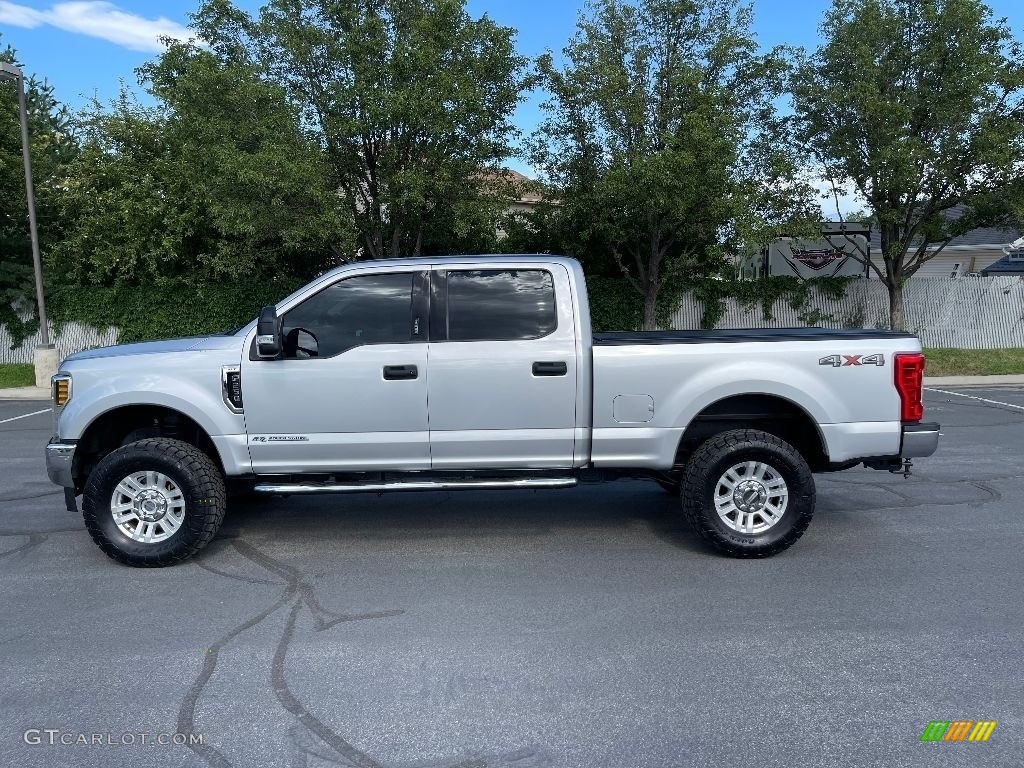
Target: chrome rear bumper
{"type": "Point", "coordinates": [919, 440]}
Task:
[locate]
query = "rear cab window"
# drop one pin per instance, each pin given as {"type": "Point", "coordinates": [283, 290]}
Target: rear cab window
{"type": "Point", "coordinates": [500, 304]}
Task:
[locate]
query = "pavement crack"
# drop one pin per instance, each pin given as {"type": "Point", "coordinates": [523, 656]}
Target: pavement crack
{"type": "Point", "coordinates": [34, 540]}
{"type": "Point", "coordinates": [31, 496]}
{"type": "Point", "coordinates": [299, 592]}
{"type": "Point", "coordinates": [8, 532]}
{"type": "Point", "coordinates": [354, 756]}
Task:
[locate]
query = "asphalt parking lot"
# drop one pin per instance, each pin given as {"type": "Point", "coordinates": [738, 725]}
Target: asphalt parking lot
{"type": "Point", "coordinates": [582, 628]}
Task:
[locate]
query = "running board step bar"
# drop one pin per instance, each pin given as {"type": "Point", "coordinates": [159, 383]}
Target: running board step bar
{"type": "Point", "coordinates": [490, 484]}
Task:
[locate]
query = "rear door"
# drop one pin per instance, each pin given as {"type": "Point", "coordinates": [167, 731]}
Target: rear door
{"type": "Point", "coordinates": [502, 360]}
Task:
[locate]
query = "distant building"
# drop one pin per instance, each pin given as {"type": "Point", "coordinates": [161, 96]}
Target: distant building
{"type": "Point", "coordinates": [971, 253]}
{"type": "Point", "coordinates": [1011, 264]}
{"type": "Point", "coordinates": [846, 248]}
{"type": "Point", "coordinates": [842, 251]}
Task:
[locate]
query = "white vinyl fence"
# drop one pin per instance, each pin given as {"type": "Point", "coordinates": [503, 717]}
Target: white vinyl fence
{"type": "Point", "coordinates": [966, 312]}
{"type": "Point", "coordinates": [72, 338]}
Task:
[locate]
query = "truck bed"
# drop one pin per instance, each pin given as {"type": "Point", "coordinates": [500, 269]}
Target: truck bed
{"type": "Point", "coordinates": [726, 335]}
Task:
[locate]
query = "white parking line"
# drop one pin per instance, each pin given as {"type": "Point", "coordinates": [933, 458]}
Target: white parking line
{"type": "Point", "coordinates": [972, 397]}
{"type": "Point", "coordinates": [25, 416]}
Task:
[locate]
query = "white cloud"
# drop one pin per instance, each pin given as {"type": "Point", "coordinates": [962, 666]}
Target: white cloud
{"type": "Point", "coordinates": [97, 18]}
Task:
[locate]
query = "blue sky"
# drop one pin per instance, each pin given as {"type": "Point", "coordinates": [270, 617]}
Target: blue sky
{"type": "Point", "coordinates": [86, 48]}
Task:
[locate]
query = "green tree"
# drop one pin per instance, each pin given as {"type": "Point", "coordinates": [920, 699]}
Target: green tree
{"type": "Point", "coordinates": [919, 104]}
{"type": "Point", "coordinates": [409, 99]}
{"type": "Point", "coordinates": [215, 182]}
{"type": "Point", "coordinates": [655, 138]}
{"type": "Point", "coordinates": [52, 146]}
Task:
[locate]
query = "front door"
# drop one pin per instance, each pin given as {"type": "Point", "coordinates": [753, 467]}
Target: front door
{"type": "Point", "coordinates": [350, 391]}
{"type": "Point", "coordinates": [502, 387]}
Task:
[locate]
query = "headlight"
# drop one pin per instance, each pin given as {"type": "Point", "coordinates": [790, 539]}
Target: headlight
{"type": "Point", "coordinates": [60, 389]}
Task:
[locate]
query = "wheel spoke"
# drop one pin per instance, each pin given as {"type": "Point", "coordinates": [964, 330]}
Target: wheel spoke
{"type": "Point", "coordinates": [128, 487]}
{"type": "Point", "coordinates": [125, 518]}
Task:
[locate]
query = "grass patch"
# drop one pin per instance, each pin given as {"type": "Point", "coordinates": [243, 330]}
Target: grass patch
{"type": "Point", "coordinates": [17, 375]}
{"type": "Point", "coordinates": [974, 362]}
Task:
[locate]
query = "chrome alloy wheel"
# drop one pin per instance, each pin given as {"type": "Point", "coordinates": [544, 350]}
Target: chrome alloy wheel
{"type": "Point", "coordinates": [148, 507]}
{"type": "Point", "coordinates": [751, 497]}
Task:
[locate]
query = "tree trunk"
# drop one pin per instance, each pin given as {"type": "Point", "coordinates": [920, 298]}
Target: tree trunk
{"type": "Point", "coordinates": [651, 307]}
{"type": "Point", "coordinates": [896, 320]}
{"type": "Point", "coordinates": [893, 254]}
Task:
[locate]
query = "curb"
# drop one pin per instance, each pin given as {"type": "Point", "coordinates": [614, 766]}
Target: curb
{"type": "Point", "coordinates": [25, 393]}
{"type": "Point", "coordinates": [973, 381]}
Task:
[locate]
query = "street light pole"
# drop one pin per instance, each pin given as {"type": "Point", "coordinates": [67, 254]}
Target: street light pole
{"type": "Point", "coordinates": [46, 357]}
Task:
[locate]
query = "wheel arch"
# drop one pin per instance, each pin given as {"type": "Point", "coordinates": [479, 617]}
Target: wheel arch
{"type": "Point", "coordinates": [123, 424]}
{"type": "Point", "coordinates": [770, 413]}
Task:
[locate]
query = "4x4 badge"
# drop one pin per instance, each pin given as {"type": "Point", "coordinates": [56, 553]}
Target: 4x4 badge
{"type": "Point", "coordinates": [843, 361]}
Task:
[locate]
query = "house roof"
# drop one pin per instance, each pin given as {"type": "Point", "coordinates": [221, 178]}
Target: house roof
{"type": "Point", "coordinates": [992, 237]}
{"type": "Point", "coordinates": [529, 190]}
{"type": "Point", "coordinates": [1004, 267]}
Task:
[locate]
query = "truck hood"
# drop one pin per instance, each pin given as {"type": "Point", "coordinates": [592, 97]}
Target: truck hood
{"type": "Point", "coordinates": [159, 347]}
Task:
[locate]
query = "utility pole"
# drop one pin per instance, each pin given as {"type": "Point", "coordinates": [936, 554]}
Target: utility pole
{"type": "Point", "coordinates": [45, 354]}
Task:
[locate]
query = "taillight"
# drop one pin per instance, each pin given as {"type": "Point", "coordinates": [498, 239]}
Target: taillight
{"type": "Point", "coordinates": [910, 384]}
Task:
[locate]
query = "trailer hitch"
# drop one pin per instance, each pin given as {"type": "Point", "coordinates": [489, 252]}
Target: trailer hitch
{"type": "Point", "coordinates": [894, 465]}
{"type": "Point", "coordinates": [903, 469]}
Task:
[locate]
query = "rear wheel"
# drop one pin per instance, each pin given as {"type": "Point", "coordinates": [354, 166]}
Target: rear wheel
{"type": "Point", "coordinates": [154, 502]}
{"type": "Point", "coordinates": [748, 493]}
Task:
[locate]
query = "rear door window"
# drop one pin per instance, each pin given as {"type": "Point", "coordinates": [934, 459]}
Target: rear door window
{"type": "Point", "coordinates": [500, 304]}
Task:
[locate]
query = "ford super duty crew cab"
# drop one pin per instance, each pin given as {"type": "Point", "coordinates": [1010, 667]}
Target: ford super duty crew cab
{"type": "Point", "coordinates": [476, 372]}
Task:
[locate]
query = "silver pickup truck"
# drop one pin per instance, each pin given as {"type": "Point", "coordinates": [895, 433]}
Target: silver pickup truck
{"type": "Point", "coordinates": [476, 372]}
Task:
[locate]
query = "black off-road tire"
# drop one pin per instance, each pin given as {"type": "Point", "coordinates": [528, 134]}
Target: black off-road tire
{"type": "Point", "coordinates": [708, 464]}
{"type": "Point", "coordinates": [196, 474]}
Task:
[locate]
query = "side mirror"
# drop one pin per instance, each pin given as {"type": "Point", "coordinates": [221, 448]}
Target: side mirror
{"type": "Point", "coordinates": [268, 334]}
{"type": "Point", "coordinates": [301, 344]}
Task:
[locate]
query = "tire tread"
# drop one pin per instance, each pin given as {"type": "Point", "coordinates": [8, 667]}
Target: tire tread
{"type": "Point", "coordinates": [693, 504]}
{"type": "Point", "coordinates": [203, 472]}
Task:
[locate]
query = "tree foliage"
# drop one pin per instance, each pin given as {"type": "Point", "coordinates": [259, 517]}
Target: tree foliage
{"type": "Point", "coordinates": [410, 101]}
{"type": "Point", "coordinates": [919, 103]}
{"type": "Point", "coordinates": [655, 137]}
{"type": "Point", "coordinates": [214, 182]}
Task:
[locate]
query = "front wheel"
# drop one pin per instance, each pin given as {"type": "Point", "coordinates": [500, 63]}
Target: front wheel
{"type": "Point", "coordinates": [748, 493]}
{"type": "Point", "coordinates": [154, 502]}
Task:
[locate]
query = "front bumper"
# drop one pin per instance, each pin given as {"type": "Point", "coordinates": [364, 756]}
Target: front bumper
{"type": "Point", "coordinates": [59, 457]}
{"type": "Point", "coordinates": [919, 440]}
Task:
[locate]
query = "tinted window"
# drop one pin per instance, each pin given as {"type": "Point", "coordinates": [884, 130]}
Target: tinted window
{"type": "Point", "coordinates": [370, 309]}
{"type": "Point", "coordinates": [500, 305]}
